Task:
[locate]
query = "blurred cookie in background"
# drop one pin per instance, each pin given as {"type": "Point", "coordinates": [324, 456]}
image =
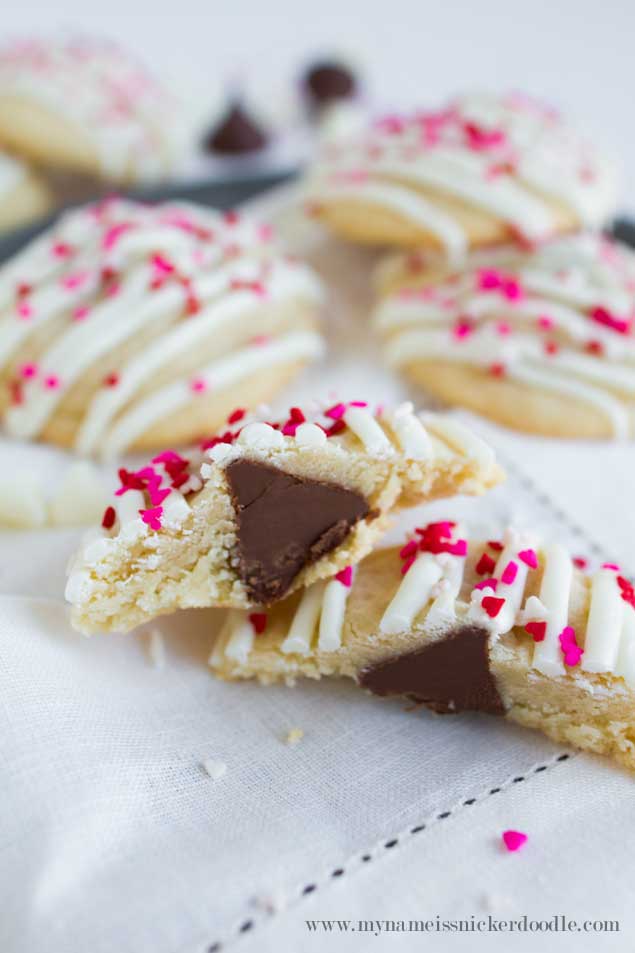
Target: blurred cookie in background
{"type": "Point", "coordinates": [86, 105]}
{"type": "Point", "coordinates": [130, 326]}
{"type": "Point", "coordinates": [23, 195]}
{"type": "Point", "coordinates": [540, 340]}
{"type": "Point", "coordinates": [486, 169]}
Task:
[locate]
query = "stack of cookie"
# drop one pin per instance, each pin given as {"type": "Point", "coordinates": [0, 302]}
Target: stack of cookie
{"type": "Point", "coordinates": [505, 297]}
{"type": "Point", "coordinates": [84, 112]}
{"type": "Point", "coordinates": [278, 519]}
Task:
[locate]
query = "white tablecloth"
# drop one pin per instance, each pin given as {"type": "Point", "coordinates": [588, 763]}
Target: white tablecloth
{"type": "Point", "coordinates": [113, 838]}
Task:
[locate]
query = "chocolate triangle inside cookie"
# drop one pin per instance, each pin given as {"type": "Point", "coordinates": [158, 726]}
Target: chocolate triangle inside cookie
{"type": "Point", "coordinates": [286, 523]}
{"type": "Point", "coordinates": [450, 674]}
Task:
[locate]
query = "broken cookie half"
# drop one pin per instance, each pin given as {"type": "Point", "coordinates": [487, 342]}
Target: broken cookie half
{"type": "Point", "coordinates": [265, 508]}
{"type": "Point", "coordinates": [505, 627]}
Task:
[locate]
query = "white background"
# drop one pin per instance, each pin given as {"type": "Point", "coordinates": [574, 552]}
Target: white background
{"type": "Point", "coordinates": [578, 54]}
{"type": "Point", "coordinates": [111, 838]}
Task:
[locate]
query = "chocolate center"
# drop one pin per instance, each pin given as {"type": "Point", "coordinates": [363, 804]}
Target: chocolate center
{"type": "Point", "coordinates": [328, 82]}
{"type": "Point", "coordinates": [237, 133]}
{"type": "Point", "coordinates": [286, 523]}
{"type": "Point", "coordinates": [451, 674]}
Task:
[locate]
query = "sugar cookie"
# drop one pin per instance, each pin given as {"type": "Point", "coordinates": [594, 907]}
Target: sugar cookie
{"type": "Point", "coordinates": [273, 507]}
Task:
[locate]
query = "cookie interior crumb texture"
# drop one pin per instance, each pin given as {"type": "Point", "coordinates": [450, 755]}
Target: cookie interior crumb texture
{"type": "Point", "coordinates": [173, 535]}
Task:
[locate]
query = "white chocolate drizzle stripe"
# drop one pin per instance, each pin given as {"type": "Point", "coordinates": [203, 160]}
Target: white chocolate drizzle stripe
{"type": "Point", "coordinates": [604, 624]}
{"type": "Point", "coordinates": [291, 347]}
{"type": "Point", "coordinates": [414, 207]}
{"type": "Point", "coordinates": [555, 594]}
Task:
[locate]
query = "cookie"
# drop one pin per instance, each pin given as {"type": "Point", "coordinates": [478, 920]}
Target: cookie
{"type": "Point", "coordinates": [88, 106]}
{"type": "Point", "coordinates": [540, 340]}
{"type": "Point", "coordinates": [23, 197]}
{"type": "Point", "coordinates": [484, 170]}
{"type": "Point", "coordinates": [505, 627]}
{"type": "Point", "coordinates": [274, 507]}
{"type": "Point", "coordinates": [129, 326]}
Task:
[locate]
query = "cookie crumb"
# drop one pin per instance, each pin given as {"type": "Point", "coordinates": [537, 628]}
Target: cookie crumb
{"type": "Point", "coordinates": [294, 736]}
{"type": "Point", "coordinates": [156, 648]}
{"type": "Point", "coordinates": [215, 769]}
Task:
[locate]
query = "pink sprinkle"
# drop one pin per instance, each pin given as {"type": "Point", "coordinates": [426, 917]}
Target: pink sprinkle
{"type": "Point", "coordinates": [537, 630]}
{"type": "Point", "coordinates": [152, 516]}
{"type": "Point", "coordinates": [492, 605]}
{"type": "Point", "coordinates": [258, 622]}
{"type": "Point", "coordinates": [495, 544]}
{"type": "Point", "coordinates": [114, 233]}
{"type": "Point", "coordinates": [345, 576]}
{"type": "Point", "coordinates": [336, 411]}
{"type": "Point", "coordinates": [265, 233]}
{"type": "Point", "coordinates": [462, 329]}
{"type": "Point", "coordinates": [156, 495]}
{"type": "Point", "coordinates": [485, 564]}
{"type": "Point", "coordinates": [75, 280]}
{"type": "Point", "coordinates": [52, 382]}
{"type": "Point", "coordinates": [28, 370]}
{"type": "Point", "coordinates": [409, 549]}
{"type": "Point", "coordinates": [112, 289]}
{"type": "Point", "coordinates": [487, 584]}
{"type": "Point", "coordinates": [162, 265]}
{"type": "Point", "coordinates": [260, 340]}
{"type": "Point", "coordinates": [236, 415]}
{"type": "Point", "coordinates": [580, 562]}
{"type": "Point", "coordinates": [545, 322]}
{"type": "Point", "coordinates": [570, 649]}
{"type": "Point", "coordinates": [459, 548]}
{"type": "Point", "coordinates": [512, 289]}
{"type": "Point", "coordinates": [529, 557]}
{"type": "Point", "coordinates": [358, 403]}
{"type": "Point", "coordinates": [169, 456]}
{"type": "Point", "coordinates": [80, 313]}
{"type": "Point", "coordinates": [611, 566]}
{"type": "Point", "coordinates": [489, 279]}
{"type": "Point", "coordinates": [111, 380]}
{"type": "Point", "coordinates": [109, 517]}
{"type": "Point", "coordinates": [603, 316]}
{"type": "Point", "coordinates": [407, 564]}
{"type": "Point", "coordinates": [503, 328]}
{"type": "Point", "coordinates": [25, 310]}
{"type": "Point", "coordinates": [61, 250]}
{"type": "Point", "coordinates": [198, 385]}
{"type": "Point", "coordinates": [514, 840]}
{"type": "Point", "coordinates": [509, 572]}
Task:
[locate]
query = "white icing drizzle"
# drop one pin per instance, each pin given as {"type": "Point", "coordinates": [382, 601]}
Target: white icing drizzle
{"type": "Point", "coordinates": [506, 156]}
{"type": "Point", "coordinates": [540, 336]}
{"type": "Point", "coordinates": [401, 200]}
{"type": "Point", "coordinates": [238, 366]}
{"type": "Point", "coordinates": [625, 663]}
{"type": "Point", "coordinates": [336, 596]}
{"type": "Point", "coordinates": [604, 625]}
{"type": "Point", "coordinates": [412, 595]}
{"type": "Point", "coordinates": [555, 590]}
{"type": "Point", "coordinates": [241, 639]}
{"type": "Point", "coordinates": [134, 123]}
{"type": "Point", "coordinates": [300, 636]}
{"type": "Point", "coordinates": [460, 438]}
{"type": "Point", "coordinates": [12, 173]}
{"type": "Point", "coordinates": [411, 434]}
{"type": "Point", "coordinates": [364, 426]}
{"type": "Point", "coordinates": [158, 262]}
